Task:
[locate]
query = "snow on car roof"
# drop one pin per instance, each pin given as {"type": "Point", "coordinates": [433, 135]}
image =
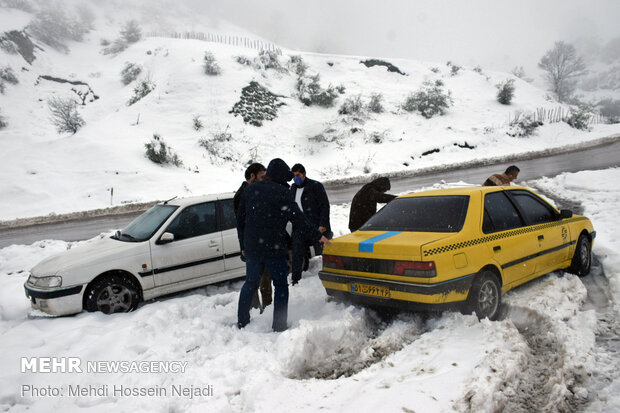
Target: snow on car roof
{"type": "Point", "coordinates": [182, 202]}
{"type": "Point", "coordinates": [466, 190]}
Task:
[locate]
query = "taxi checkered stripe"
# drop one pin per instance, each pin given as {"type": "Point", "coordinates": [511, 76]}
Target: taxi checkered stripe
{"type": "Point", "coordinates": [495, 237]}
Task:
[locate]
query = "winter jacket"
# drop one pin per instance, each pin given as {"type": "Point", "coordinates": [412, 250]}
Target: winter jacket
{"type": "Point", "coordinates": [314, 202]}
{"type": "Point", "coordinates": [497, 180]}
{"type": "Point", "coordinates": [264, 210]}
{"type": "Point", "coordinates": [364, 204]}
{"type": "Point", "coordinates": [239, 195]}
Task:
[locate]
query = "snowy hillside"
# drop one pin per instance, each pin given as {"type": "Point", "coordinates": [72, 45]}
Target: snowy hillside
{"type": "Point", "coordinates": [49, 172]}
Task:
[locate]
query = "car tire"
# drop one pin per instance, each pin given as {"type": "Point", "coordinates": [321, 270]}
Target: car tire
{"type": "Point", "coordinates": [582, 259]}
{"type": "Point", "coordinates": [112, 294]}
{"type": "Point", "coordinates": [485, 296]}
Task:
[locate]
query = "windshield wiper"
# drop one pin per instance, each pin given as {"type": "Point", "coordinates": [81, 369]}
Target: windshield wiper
{"type": "Point", "coordinates": [128, 236]}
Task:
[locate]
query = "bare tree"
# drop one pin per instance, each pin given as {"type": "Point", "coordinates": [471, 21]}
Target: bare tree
{"type": "Point", "coordinates": [65, 115]}
{"type": "Point", "coordinates": [562, 65]}
{"type": "Point", "coordinates": [519, 72]}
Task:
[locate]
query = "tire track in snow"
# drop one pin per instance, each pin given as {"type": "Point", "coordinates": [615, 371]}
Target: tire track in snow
{"type": "Point", "coordinates": [544, 384]}
{"type": "Point", "coordinates": [606, 349]}
{"type": "Point", "coordinates": [359, 344]}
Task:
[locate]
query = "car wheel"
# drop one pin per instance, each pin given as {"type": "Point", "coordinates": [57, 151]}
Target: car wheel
{"type": "Point", "coordinates": [485, 296]}
{"type": "Point", "coordinates": [582, 260]}
{"type": "Point", "coordinates": [112, 294]}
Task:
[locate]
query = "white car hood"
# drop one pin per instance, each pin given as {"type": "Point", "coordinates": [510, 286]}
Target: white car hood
{"type": "Point", "coordinates": [84, 255]}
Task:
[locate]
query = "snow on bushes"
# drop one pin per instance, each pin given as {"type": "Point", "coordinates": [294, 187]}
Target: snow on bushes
{"type": "Point", "coordinates": [65, 116]}
{"type": "Point", "coordinates": [523, 125]}
{"type": "Point", "coordinates": [143, 88]}
{"type": "Point", "coordinates": [505, 91]}
{"type": "Point", "coordinates": [256, 104]}
{"type": "Point", "coordinates": [160, 153]}
{"type": "Point", "coordinates": [429, 101]}
{"type": "Point", "coordinates": [210, 65]}
{"type": "Point", "coordinates": [578, 119]}
{"type": "Point", "coordinates": [130, 72]}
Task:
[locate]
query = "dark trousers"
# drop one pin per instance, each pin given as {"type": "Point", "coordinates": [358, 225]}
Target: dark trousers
{"type": "Point", "coordinates": [300, 249]}
{"type": "Point", "coordinates": [278, 268]}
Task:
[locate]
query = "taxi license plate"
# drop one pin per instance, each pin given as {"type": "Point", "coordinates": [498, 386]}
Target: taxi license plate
{"type": "Point", "coordinates": [373, 290]}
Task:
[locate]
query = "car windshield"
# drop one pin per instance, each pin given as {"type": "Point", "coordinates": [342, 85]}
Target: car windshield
{"type": "Point", "coordinates": [143, 227]}
{"type": "Point", "coordinates": [421, 214]}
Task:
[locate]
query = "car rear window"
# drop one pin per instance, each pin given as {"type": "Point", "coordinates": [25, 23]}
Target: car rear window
{"type": "Point", "coordinates": [421, 214]}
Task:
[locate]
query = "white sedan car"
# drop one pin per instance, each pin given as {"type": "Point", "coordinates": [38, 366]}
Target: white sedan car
{"type": "Point", "coordinates": [176, 245]}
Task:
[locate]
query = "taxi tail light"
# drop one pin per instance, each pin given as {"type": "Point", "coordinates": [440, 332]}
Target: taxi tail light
{"type": "Point", "coordinates": [415, 268]}
{"type": "Point", "coordinates": [333, 261]}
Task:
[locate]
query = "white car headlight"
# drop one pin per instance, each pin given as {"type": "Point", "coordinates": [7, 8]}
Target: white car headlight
{"type": "Point", "coordinates": [46, 282]}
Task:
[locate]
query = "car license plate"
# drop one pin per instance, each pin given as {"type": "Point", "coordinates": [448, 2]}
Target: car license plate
{"type": "Point", "coordinates": [367, 289]}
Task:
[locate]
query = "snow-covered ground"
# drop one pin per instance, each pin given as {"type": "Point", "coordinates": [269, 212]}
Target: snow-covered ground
{"type": "Point", "coordinates": [334, 357]}
{"type": "Point", "coordinates": [542, 356]}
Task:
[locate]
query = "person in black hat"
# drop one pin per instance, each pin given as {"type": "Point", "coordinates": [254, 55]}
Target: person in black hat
{"type": "Point", "coordinates": [264, 210]}
{"type": "Point", "coordinates": [364, 203]}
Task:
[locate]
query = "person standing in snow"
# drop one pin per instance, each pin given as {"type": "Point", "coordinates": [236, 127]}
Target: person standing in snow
{"type": "Point", "coordinates": [264, 210]}
{"type": "Point", "coordinates": [255, 172]}
{"type": "Point", "coordinates": [364, 204]}
{"type": "Point", "coordinates": [506, 178]}
{"type": "Point", "coordinates": [311, 198]}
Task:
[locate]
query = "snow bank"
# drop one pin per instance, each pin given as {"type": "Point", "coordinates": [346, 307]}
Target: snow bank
{"type": "Point", "coordinates": [599, 194]}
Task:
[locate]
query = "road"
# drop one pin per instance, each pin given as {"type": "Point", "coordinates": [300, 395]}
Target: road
{"type": "Point", "coordinates": [599, 157]}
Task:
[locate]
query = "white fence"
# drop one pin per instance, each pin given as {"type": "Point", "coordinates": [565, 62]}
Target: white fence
{"type": "Point", "coordinates": [220, 38]}
{"type": "Point", "coordinates": [555, 115]}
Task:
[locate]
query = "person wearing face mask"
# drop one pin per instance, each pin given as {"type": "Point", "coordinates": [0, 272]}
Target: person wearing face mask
{"type": "Point", "coordinates": [312, 199]}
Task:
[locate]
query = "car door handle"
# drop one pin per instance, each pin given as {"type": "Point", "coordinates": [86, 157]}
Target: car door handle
{"type": "Point", "coordinates": [213, 244]}
{"type": "Point", "coordinates": [497, 248]}
{"type": "Point", "coordinates": [541, 237]}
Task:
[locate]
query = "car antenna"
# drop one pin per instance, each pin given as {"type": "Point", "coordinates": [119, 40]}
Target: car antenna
{"type": "Point", "coordinates": [173, 198]}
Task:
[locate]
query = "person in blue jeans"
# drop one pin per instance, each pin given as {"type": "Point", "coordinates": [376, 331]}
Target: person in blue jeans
{"type": "Point", "coordinates": [265, 208]}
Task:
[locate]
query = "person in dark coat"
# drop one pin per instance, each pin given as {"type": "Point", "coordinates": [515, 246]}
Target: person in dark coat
{"type": "Point", "coordinates": [264, 210]}
{"type": "Point", "coordinates": [364, 204]}
{"type": "Point", "coordinates": [311, 198]}
{"type": "Point", "coordinates": [255, 172]}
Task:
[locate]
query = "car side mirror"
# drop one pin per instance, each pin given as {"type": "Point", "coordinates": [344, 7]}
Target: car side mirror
{"type": "Point", "coordinates": [166, 237]}
{"type": "Point", "coordinates": [566, 213]}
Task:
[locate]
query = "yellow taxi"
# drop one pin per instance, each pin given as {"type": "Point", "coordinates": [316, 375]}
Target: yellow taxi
{"type": "Point", "coordinates": [458, 247]}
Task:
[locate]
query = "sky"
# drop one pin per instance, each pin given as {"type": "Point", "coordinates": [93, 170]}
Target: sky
{"type": "Point", "coordinates": [495, 34]}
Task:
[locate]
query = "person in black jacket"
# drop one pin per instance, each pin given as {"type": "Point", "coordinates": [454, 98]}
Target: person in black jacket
{"type": "Point", "coordinates": [364, 204]}
{"type": "Point", "coordinates": [264, 210]}
{"type": "Point", "coordinates": [255, 172]}
{"type": "Point", "coordinates": [311, 198]}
